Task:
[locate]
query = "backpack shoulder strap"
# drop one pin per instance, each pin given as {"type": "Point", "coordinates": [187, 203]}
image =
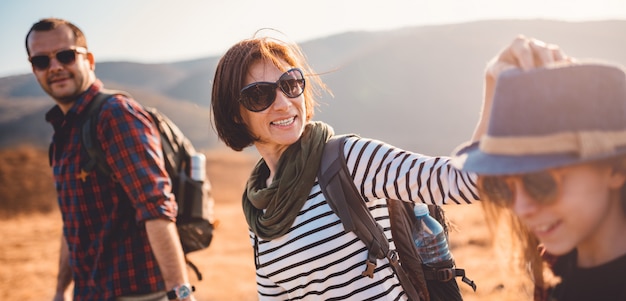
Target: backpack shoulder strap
{"type": "Point", "coordinates": [89, 133]}
{"type": "Point", "coordinates": [343, 197]}
{"type": "Point", "coordinates": [175, 145]}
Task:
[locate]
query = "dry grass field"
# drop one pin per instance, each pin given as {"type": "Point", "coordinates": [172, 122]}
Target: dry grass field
{"type": "Point", "coordinates": [31, 227]}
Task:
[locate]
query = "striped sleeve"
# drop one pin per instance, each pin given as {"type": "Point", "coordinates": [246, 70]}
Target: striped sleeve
{"type": "Point", "coordinates": [383, 171]}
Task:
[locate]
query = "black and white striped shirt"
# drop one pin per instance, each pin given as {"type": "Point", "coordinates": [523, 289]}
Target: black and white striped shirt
{"type": "Point", "coordinates": [318, 260]}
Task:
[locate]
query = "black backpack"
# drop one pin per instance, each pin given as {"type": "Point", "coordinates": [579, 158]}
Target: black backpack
{"type": "Point", "coordinates": [419, 281]}
{"type": "Point", "coordinates": [193, 198]}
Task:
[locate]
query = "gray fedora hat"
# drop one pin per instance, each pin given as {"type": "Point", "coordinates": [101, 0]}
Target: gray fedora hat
{"type": "Point", "coordinates": [550, 117]}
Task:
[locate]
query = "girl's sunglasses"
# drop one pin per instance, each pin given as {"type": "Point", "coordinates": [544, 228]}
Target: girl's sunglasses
{"type": "Point", "coordinates": [543, 187]}
{"type": "Point", "coordinates": [65, 57]}
{"type": "Point", "coordinates": [259, 96]}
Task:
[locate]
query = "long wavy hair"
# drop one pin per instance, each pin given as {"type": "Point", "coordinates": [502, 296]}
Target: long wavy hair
{"type": "Point", "coordinates": [522, 248]}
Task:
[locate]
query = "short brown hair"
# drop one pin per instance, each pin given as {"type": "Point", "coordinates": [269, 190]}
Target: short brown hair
{"type": "Point", "coordinates": [53, 23]}
{"type": "Point", "coordinates": [229, 79]}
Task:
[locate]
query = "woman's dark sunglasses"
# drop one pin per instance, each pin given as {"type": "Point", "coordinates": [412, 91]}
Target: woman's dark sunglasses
{"type": "Point", "coordinates": [65, 57]}
{"type": "Point", "coordinates": [542, 187]}
{"type": "Point", "coordinates": [259, 96]}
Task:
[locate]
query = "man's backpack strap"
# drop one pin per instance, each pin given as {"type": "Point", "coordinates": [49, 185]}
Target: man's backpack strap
{"type": "Point", "coordinates": [343, 197]}
{"type": "Point", "coordinates": [89, 134]}
{"type": "Point", "coordinates": [173, 143]}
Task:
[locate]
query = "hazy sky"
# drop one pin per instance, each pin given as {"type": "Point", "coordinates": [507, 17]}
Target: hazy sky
{"type": "Point", "coordinates": [173, 30]}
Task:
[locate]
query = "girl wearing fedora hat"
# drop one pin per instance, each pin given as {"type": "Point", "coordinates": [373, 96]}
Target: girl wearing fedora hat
{"type": "Point", "coordinates": [552, 166]}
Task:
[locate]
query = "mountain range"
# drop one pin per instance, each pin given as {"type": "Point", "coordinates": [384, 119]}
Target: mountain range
{"type": "Point", "coordinates": [418, 88]}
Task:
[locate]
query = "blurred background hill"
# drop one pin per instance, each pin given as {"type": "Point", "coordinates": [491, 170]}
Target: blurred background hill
{"type": "Point", "coordinates": [418, 87]}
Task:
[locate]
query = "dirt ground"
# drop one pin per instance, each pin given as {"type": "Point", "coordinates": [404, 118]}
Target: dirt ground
{"type": "Point", "coordinates": [29, 254]}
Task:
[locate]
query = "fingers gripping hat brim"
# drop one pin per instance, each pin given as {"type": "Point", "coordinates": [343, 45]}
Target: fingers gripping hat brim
{"type": "Point", "coordinates": [551, 117]}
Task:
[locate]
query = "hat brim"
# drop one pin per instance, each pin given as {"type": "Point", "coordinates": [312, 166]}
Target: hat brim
{"type": "Point", "coordinates": [470, 158]}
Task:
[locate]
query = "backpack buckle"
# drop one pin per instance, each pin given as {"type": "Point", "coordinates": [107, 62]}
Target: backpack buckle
{"type": "Point", "coordinates": [393, 256]}
{"type": "Point", "coordinates": [369, 269]}
{"type": "Point", "coordinates": [445, 275]}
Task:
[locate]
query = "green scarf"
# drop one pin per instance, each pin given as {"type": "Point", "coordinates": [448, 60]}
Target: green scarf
{"type": "Point", "coordinates": [270, 211]}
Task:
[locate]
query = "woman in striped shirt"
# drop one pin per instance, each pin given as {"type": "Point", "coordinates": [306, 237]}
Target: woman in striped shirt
{"type": "Point", "coordinates": [263, 95]}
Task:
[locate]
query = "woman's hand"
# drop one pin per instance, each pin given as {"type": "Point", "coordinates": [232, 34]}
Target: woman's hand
{"type": "Point", "coordinates": [524, 53]}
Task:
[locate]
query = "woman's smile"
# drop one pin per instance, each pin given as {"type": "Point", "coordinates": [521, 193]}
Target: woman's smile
{"type": "Point", "coordinates": [284, 122]}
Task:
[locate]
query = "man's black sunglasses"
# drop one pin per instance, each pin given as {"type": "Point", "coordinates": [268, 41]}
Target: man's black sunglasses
{"type": "Point", "coordinates": [65, 57]}
{"type": "Point", "coordinates": [259, 96]}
